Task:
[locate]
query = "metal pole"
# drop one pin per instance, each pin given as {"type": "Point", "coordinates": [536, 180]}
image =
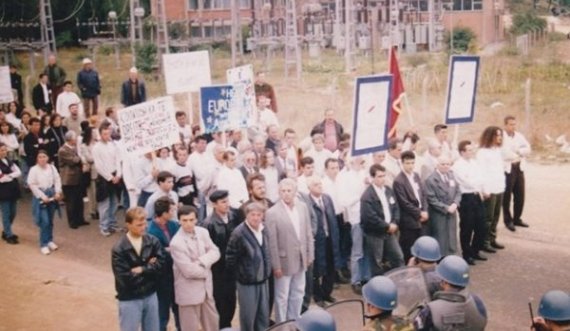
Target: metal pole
{"type": "Point", "coordinates": [347, 36]}
{"type": "Point", "coordinates": [234, 31]}
{"type": "Point", "coordinates": [451, 29]}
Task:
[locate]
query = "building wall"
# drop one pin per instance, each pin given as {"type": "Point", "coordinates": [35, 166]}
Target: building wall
{"type": "Point", "coordinates": [487, 23]}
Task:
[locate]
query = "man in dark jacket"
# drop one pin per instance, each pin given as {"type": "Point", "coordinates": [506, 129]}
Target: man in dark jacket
{"type": "Point", "coordinates": [379, 219]}
{"type": "Point", "coordinates": [41, 95]}
{"type": "Point", "coordinates": [248, 258]}
{"type": "Point", "coordinates": [88, 83]}
{"type": "Point", "coordinates": [16, 82]}
{"type": "Point", "coordinates": [33, 142]}
{"type": "Point", "coordinates": [331, 129]}
{"type": "Point", "coordinates": [220, 224]}
{"type": "Point", "coordinates": [133, 90]}
{"type": "Point", "coordinates": [70, 170]}
{"type": "Point", "coordinates": [137, 260]}
{"type": "Point", "coordinates": [56, 77]}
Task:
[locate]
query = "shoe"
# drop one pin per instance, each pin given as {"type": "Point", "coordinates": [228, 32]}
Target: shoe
{"type": "Point", "coordinates": [74, 227]}
{"type": "Point", "coordinates": [489, 249]}
{"type": "Point", "coordinates": [497, 245]}
{"type": "Point", "coordinates": [511, 227]}
{"type": "Point", "coordinates": [521, 224]}
{"type": "Point", "coordinates": [340, 278]}
{"type": "Point", "coordinates": [469, 260]}
{"type": "Point", "coordinates": [321, 304]}
{"type": "Point", "coordinates": [4, 235]}
{"type": "Point", "coordinates": [357, 288]}
{"type": "Point", "coordinates": [52, 246]}
{"type": "Point", "coordinates": [330, 299]}
{"type": "Point", "coordinates": [346, 273]}
{"type": "Point", "coordinates": [12, 240]}
{"type": "Point", "coordinates": [94, 216]}
{"type": "Point", "coordinates": [480, 257]}
{"type": "Point", "coordinates": [105, 233]}
{"type": "Point", "coordinates": [83, 223]}
{"type": "Point", "coordinates": [45, 250]}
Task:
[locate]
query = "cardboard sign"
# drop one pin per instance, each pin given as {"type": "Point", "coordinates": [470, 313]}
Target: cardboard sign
{"type": "Point", "coordinates": [186, 72]}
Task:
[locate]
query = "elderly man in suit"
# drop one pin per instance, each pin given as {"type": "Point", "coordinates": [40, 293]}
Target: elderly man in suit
{"type": "Point", "coordinates": [444, 196]}
{"type": "Point", "coordinates": [70, 168]}
{"type": "Point", "coordinates": [327, 246]}
{"type": "Point", "coordinates": [379, 218]}
{"type": "Point", "coordinates": [411, 197]}
{"type": "Point", "coordinates": [248, 167]}
{"type": "Point", "coordinates": [193, 254]}
{"type": "Point", "coordinates": [292, 250]}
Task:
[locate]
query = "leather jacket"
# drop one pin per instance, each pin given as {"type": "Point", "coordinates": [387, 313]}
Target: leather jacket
{"type": "Point", "coordinates": [131, 286]}
{"type": "Point", "coordinates": [250, 262]}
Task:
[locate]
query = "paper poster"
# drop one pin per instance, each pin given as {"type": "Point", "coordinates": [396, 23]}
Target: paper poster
{"type": "Point", "coordinates": [186, 72]}
{"type": "Point", "coordinates": [221, 110]}
{"type": "Point", "coordinates": [6, 94]}
{"type": "Point", "coordinates": [462, 89]}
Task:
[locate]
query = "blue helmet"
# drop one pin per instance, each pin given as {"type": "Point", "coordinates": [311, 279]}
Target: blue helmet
{"type": "Point", "coordinates": [316, 320]}
{"type": "Point", "coordinates": [555, 306]}
{"type": "Point", "coordinates": [228, 329]}
{"type": "Point", "coordinates": [453, 270]}
{"type": "Point", "coordinates": [426, 248]}
{"type": "Point", "coordinates": [381, 292]}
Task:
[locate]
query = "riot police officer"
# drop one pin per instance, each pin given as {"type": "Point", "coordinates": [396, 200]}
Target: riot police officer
{"type": "Point", "coordinates": [426, 253]}
{"type": "Point", "coordinates": [381, 296]}
{"type": "Point", "coordinates": [554, 311]}
{"type": "Point", "coordinates": [316, 320]}
{"type": "Point", "coordinates": [454, 308]}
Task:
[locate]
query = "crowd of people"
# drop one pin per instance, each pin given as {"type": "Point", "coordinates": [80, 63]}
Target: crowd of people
{"type": "Point", "coordinates": [256, 217]}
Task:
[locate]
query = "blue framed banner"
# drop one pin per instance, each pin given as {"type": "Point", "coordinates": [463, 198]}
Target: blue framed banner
{"type": "Point", "coordinates": [372, 104]}
{"type": "Point", "coordinates": [215, 104]}
{"type": "Point", "coordinates": [462, 89]}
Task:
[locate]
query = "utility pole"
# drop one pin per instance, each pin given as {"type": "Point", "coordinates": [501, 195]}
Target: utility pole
{"type": "Point", "coordinates": [395, 23]}
{"type": "Point", "coordinates": [236, 38]}
{"type": "Point", "coordinates": [349, 35]}
{"type": "Point", "coordinates": [136, 30]}
{"type": "Point", "coordinates": [162, 42]}
{"type": "Point", "coordinates": [292, 50]}
{"type": "Point", "coordinates": [48, 35]}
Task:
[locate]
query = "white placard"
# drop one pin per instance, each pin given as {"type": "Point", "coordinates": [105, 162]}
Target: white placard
{"type": "Point", "coordinates": [242, 80]}
{"type": "Point", "coordinates": [186, 72]}
{"type": "Point", "coordinates": [148, 126]}
{"type": "Point", "coordinates": [6, 94]}
{"type": "Point", "coordinates": [462, 89]}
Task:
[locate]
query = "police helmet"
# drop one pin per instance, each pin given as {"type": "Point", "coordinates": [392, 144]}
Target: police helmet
{"type": "Point", "coordinates": [228, 329]}
{"type": "Point", "coordinates": [555, 306]}
{"type": "Point", "coordinates": [426, 248]}
{"type": "Point", "coordinates": [453, 270]}
{"type": "Point", "coordinates": [316, 320]}
{"type": "Point", "coordinates": [381, 292]}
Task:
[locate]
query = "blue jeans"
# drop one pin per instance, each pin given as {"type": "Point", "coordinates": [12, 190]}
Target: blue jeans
{"type": "Point", "coordinates": [107, 209]}
{"type": "Point", "coordinates": [44, 220]}
{"type": "Point", "coordinates": [140, 312]}
{"type": "Point", "coordinates": [359, 259]}
{"type": "Point", "coordinates": [8, 215]}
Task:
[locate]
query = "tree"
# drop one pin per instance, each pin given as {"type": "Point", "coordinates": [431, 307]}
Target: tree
{"type": "Point", "coordinates": [527, 22]}
{"type": "Point", "coordinates": [463, 39]}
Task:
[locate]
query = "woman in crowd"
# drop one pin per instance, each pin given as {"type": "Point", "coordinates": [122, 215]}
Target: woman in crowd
{"type": "Point", "coordinates": [271, 174]}
{"type": "Point", "coordinates": [89, 172]}
{"type": "Point", "coordinates": [45, 183]}
{"type": "Point", "coordinates": [164, 161]}
{"type": "Point", "coordinates": [55, 136]}
{"type": "Point", "coordinates": [8, 138]}
{"type": "Point", "coordinates": [9, 193]}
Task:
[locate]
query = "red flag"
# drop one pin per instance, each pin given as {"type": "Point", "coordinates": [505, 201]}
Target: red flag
{"type": "Point", "coordinates": [397, 93]}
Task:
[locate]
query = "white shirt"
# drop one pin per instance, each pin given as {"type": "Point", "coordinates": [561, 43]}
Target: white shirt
{"type": "Point", "coordinates": [491, 163]}
{"type": "Point", "coordinates": [40, 179]}
{"type": "Point", "coordinates": [129, 170]}
{"type": "Point", "coordinates": [353, 184]}
{"type": "Point", "coordinates": [143, 175]}
{"type": "Point", "coordinates": [10, 141]}
{"type": "Point", "coordinates": [515, 149]}
{"type": "Point", "coordinates": [415, 186]}
{"type": "Point", "coordinates": [180, 171]}
{"type": "Point", "coordinates": [271, 183]}
{"type": "Point", "coordinates": [16, 172]}
{"type": "Point", "coordinates": [64, 100]}
{"type": "Point", "coordinates": [149, 207]}
{"type": "Point", "coordinates": [186, 132]}
{"type": "Point", "coordinates": [201, 165]}
{"type": "Point", "coordinates": [293, 214]}
{"type": "Point", "coordinates": [232, 180]}
{"type": "Point", "coordinates": [136, 242]}
{"type": "Point", "coordinates": [45, 92]}
{"type": "Point", "coordinates": [107, 159]}
{"type": "Point", "coordinates": [393, 168]}
{"type": "Point", "coordinates": [320, 157]}
{"type": "Point", "coordinates": [302, 186]}
{"type": "Point", "coordinates": [468, 175]}
{"type": "Point", "coordinates": [381, 193]}
{"type": "Point", "coordinates": [332, 188]}
{"type": "Point", "coordinates": [266, 118]}
{"type": "Point", "coordinates": [257, 233]}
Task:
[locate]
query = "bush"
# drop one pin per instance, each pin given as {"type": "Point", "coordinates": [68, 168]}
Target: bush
{"type": "Point", "coordinates": [463, 40]}
{"type": "Point", "coordinates": [146, 57]}
{"type": "Point", "coordinates": [527, 22]}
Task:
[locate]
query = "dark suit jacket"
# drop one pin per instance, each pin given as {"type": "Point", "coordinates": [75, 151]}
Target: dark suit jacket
{"type": "Point", "coordinates": [321, 128]}
{"type": "Point", "coordinates": [70, 165]}
{"type": "Point", "coordinates": [372, 218]}
{"type": "Point", "coordinates": [127, 97]}
{"type": "Point", "coordinates": [38, 98]}
{"type": "Point", "coordinates": [409, 206]}
{"type": "Point", "coordinates": [220, 234]}
{"type": "Point", "coordinates": [320, 264]}
{"type": "Point", "coordinates": [245, 173]}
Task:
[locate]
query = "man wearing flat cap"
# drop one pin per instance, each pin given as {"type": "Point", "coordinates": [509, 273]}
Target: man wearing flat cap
{"type": "Point", "coordinates": [90, 86]}
{"type": "Point", "coordinates": [220, 225]}
{"type": "Point", "coordinates": [133, 90]}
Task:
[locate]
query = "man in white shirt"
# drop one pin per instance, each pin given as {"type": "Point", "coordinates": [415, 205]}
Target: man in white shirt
{"type": "Point", "coordinates": [471, 224]}
{"type": "Point", "coordinates": [66, 98]}
{"type": "Point", "coordinates": [231, 179]}
{"type": "Point", "coordinates": [515, 149]}
{"type": "Point", "coordinates": [107, 160]}
{"type": "Point", "coordinates": [165, 183]}
{"type": "Point", "coordinates": [440, 132]}
{"type": "Point", "coordinates": [184, 128]}
{"type": "Point", "coordinates": [265, 115]}
{"type": "Point", "coordinates": [145, 177]}
{"type": "Point", "coordinates": [73, 121]}
{"type": "Point", "coordinates": [289, 136]}
{"type": "Point", "coordinates": [392, 160]}
{"type": "Point", "coordinates": [307, 170]}
{"type": "Point", "coordinates": [319, 153]}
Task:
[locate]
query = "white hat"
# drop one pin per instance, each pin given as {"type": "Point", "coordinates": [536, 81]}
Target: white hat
{"type": "Point", "coordinates": [87, 61]}
{"type": "Point", "coordinates": [133, 70]}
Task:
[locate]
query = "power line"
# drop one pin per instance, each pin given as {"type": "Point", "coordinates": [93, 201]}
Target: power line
{"type": "Point", "coordinates": [75, 11]}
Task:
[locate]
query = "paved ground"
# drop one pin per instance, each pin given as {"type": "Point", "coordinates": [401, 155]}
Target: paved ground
{"type": "Point", "coordinates": [73, 288]}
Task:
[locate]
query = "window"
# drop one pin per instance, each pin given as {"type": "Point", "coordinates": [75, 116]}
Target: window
{"type": "Point", "coordinates": [193, 4]}
{"type": "Point", "coordinates": [466, 5]}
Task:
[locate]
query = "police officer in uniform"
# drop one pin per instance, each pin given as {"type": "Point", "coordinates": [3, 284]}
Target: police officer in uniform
{"type": "Point", "coordinates": [425, 254]}
{"type": "Point", "coordinates": [381, 296]}
{"type": "Point", "coordinates": [454, 308]}
{"type": "Point", "coordinates": [316, 320]}
{"type": "Point", "coordinates": [554, 311]}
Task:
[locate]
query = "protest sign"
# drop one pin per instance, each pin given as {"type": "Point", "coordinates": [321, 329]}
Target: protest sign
{"type": "Point", "coordinates": [148, 126]}
{"type": "Point", "coordinates": [462, 89]}
{"type": "Point", "coordinates": [6, 94]}
{"type": "Point", "coordinates": [220, 109]}
{"type": "Point", "coordinates": [186, 72]}
{"type": "Point", "coordinates": [372, 104]}
{"type": "Point", "coordinates": [242, 80]}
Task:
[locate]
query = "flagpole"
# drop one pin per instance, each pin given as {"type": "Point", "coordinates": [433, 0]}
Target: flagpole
{"type": "Point", "coordinates": [409, 110]}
